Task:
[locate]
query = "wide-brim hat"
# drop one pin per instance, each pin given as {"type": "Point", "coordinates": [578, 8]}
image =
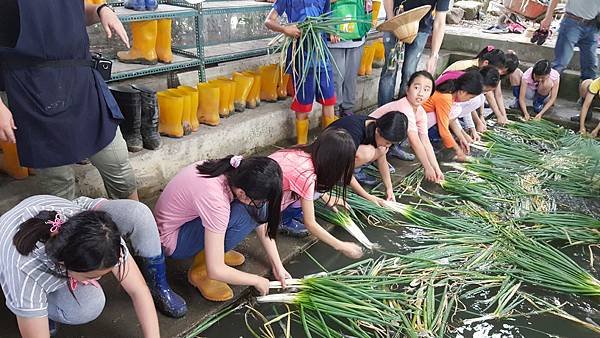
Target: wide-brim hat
{"type": "Point", "coordinates": [405, 25]}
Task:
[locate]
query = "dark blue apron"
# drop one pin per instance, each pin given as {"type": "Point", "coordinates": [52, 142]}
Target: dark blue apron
{"type": "Point", "coordinates": [63, 110]}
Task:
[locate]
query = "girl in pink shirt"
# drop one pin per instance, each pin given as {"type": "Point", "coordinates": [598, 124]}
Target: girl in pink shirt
{"type": "Point", "coordinates": [208, 208]}
{"type": "Point", "coordinates": [419, 89]}
{"type": "Point", "coordinates": [310, 172]}
{"type": "Point", "coordinates": [540, 84]}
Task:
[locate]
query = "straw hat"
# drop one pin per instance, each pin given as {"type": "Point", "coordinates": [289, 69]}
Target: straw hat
{"type": "Point", "coordinates": [405, 26]}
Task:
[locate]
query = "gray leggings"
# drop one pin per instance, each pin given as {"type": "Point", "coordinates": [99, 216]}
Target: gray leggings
{"type": "Point", "coordinates": [86, 306]}
{"type": "Point", "coordinates": [136, 224]}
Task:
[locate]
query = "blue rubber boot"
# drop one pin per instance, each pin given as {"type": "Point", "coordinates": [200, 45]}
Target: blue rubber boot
{"type": "Point", "coordinates": [136, 5]}
{"type": "Point", "coordinates": [397, 151]}
{"type": "Point", "coordinates": [165, 299]}
{"type": "Point", "coordinates": [151, 5]}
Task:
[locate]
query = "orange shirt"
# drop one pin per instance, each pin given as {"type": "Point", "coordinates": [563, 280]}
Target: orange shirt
{"type": "Point", "coordinates": [441, 104]}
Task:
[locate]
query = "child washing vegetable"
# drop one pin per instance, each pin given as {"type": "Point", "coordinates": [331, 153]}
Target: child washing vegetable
{"type": "Point", "coordinates": [372, 139]}
{"type": "Point", "coordinates": [439, 110]}
{"type": "Point", "coordinates": [589, 89]}
{"type": "Point", "coordinates": [311, 172]}
{"type": "Point", "coordinates": [319, 86]}
{"type": "Point", "coordinates": [539, 84]}
{"type": "Point", "coordinates": [419, 89]}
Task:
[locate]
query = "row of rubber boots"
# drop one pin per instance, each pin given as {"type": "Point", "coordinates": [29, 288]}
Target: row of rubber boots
{"type": "Point", "coordinates": [141, 116]}
{"type": "Point", "coordinates": [170, 303]}
{"type": "Point", "coordinates": [182, 109]}
{"type": "Point", "coordinates": [373, 57]}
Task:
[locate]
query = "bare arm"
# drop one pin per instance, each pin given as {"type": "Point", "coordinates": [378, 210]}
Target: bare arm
{"type": "Point", "coordinates": [420, 152]}
{"type": "Point", "coordinates": [272, 253]}
{"type": "Point", "coordinates": [7, 124]}
{"type": "Point", "coordinates": [431, 156]}
{"type": "Point", "coordinates": [500, 100]}
{"type": "Point", "coordinates": [136, 288]}
{"type": "Point", "coordinates": [272, 23]}
{"type": "Point", "coordinates": [522, 103]}
{"type": "Point", "coordinates": [384, 171]}
{"type": "Point", "coordinates": [214, 248]}
{"type": "Point", "coordinates": [551, 100]}
{"type": "Point", "coordinates": [439, 28]}
{"type": "Point", "coordinates": [388, 5]}
{"type": "Point", "coordinates": [589, 97]}
{"type": "Point", "coordinates": [545, 24]}
{"type": "Point", "coordinates": [310, 222]}
{"type": "Point", "coordinates": [33, 327]}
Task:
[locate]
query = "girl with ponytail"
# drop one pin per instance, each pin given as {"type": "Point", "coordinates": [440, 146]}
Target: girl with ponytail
{"type": "Point", "coordinates": [52, 252]}
{"type": "Point", "coordinates": [208, 208]}
{"type": "Point", "coordinates": [539, 84]}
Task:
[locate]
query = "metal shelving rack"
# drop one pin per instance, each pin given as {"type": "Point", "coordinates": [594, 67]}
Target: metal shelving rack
{"type": "Point", "coordinates": [236, 50]}
{"type": "Point", "coordinates": [182, 59]}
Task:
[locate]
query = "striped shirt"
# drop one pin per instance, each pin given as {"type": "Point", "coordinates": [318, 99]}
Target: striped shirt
{"type": "Point", "coordinates": [26, 280]}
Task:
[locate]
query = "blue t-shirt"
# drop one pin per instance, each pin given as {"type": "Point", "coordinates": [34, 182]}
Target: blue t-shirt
{"type": "Point", "coordinates": [298, 10]}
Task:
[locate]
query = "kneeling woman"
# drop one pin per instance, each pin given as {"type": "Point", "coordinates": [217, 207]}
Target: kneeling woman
{"type": "Point", "coordinates": [311, 172]}
{"type": "Point", "coordinates": [208, 208]}
{"type": "Point", "coordinates": [52, 252]}
{"type": "Point", "coordinates": [373, 138]}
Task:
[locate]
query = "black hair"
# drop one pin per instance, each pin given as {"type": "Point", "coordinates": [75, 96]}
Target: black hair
{"type": "Point", "coordinates": [495, 57]}
{"type": "Point", "coordinates": [490, 76]}
{"type": "Point", "coordinates": [512, 62]}
{"type": "Point", "coordinates": [542, 67]}
{"type": "Point", "coordinates": [87, 241]}
{"type": "Point", "coordinates": [260, 177]}
{"type": "Point", "coordinates": [392, 126]}
{"type": "Point", "coordinates": [332, 153]}
{"type": "Point", "coordinates": [425, 74]}
{"type": "Point", "coordinates": [471, 82]}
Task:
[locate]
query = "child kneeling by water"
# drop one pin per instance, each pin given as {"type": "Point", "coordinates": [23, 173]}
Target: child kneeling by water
{"type": "Point", "coordinates": [540, 84]}
{"type": "Point", "coordinates": [589, 89]}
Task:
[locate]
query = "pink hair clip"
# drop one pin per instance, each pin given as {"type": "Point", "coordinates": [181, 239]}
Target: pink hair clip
{"type": "Point", "coordinates": [56, 223]}
{"type": "Point", "coordinates": [490, 48]}
{"type": "Point", "coordinates": [236, 160]}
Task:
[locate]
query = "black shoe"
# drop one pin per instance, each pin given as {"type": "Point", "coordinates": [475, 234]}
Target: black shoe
{"type": "Point", "coordinates": [588, 117]}
{"type": "Point", "coordinates": [149, 117]}
{"type": "Point", "coordinates": [130, 103]}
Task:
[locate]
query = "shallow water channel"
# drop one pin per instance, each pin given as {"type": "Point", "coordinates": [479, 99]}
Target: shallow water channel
{"type": "Point", "coordinates": [401, 240]}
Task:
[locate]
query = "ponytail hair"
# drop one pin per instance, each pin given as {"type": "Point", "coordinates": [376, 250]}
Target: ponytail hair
{"type": "Point", "coordinates": [540, 68]}
{"type": "Point", "coordinates": [490, 76]}
{"type": "Point", "coordinates": [392, 126]}
{"type": "Point", "coordinates": [495, 57]}
{"type": "Point", "coordinates": [470, 82]}
{"type": "Point", "coordinates": [260, 177]}
{"type": "Point", "coordinates": [512, 62]}
{"type": "Point", "coordinates": [86, 242]}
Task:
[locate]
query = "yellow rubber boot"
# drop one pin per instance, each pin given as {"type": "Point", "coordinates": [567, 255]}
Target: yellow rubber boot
{"type": "Point", "coordinates": [253, 99]}
{"type": "Point", "coordinates": [171, 111]}
{"type": "Point", "coordinates": [379, 54]}
{"type": "Point", "coordinates": [227, 90]}
{"type": "Point", "coordinates": [375, 13]}
{"type": "Point", "coordinates": [243, 84]}
{"type": "Point", "coordinates": [282, 84]}
{"type": "Point", "coordinates": [269, 76]}
{"type": "Point", "coordinates": [363, 63]}
{"type": "Point", "coordinates": [232, 87]}
{"type": "Point", "coordinates": [163, 41]}
{"type": "Point", "coordinates": [302, 131]}
{"type": "Point", "coordinates": [10, 163]}
{"type": "Point", "coordinates": [326, 121]}
{"type": "Point", "coordinates": [209, 288]}
{"type": "Point", "coordinates": [369, 54]}
{"type": "Point", "coordinates": [187, 109]}
{"type": "Point", "coordinates": [143, 44]}
{"type": "Point", "coordinates": [234, 258]}
{"type": "Point", "coordinates": [193, 93]}
{"type": "Point", "coordinates": [208, 104]}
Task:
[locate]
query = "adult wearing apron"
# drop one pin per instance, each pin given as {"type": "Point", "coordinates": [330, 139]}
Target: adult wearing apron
{"type": "Point", "coordinates": [61, 110]}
